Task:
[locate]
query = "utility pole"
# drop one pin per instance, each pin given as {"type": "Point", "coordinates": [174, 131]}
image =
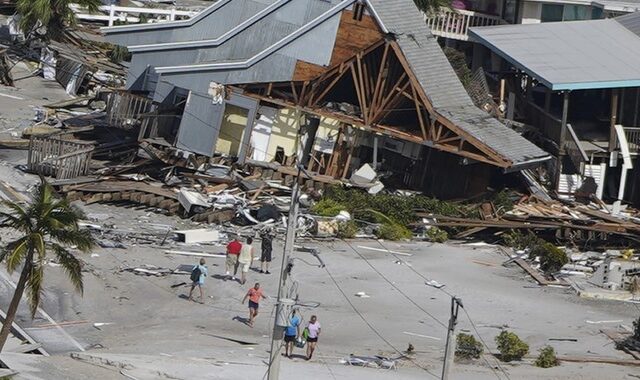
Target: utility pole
{"type": "Point", "coordinates": [456, 303]}
{"type": "Point", "coordinates": [282, 317]}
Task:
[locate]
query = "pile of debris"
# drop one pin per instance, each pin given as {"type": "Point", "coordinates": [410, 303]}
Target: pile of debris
{"type": "Point", "coordinates": [567, 220]}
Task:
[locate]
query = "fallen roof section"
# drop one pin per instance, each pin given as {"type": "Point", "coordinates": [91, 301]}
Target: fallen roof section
{"type": "Point", "coordinates": [574, 55]}
{"type": "Point", "coordinates": [445, 91]}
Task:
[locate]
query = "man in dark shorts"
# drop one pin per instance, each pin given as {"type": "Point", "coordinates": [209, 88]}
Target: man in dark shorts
{"type": "Point", "coordinates": [267, 247]}
{"type": "Point", "coordinates": [254, 294]}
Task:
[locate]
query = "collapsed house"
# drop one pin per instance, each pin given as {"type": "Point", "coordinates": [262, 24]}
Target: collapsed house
{"type": "Point", "coordinates": [577, 85]}
{"type": "Point", "coordinates": [242, 77]}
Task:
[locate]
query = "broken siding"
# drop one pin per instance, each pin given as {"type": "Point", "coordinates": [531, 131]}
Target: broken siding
{"type": "Point", "coordinates": [197, 132]}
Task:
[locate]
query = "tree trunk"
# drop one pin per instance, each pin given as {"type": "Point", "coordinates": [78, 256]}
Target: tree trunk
{"type": "Point", "coordinates": [15, 301]}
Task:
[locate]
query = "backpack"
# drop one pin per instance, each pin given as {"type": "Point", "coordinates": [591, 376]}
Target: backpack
{"type": "Point", "coordinates": [195, 274]}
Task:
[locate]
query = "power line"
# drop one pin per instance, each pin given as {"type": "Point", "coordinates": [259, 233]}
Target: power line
{"type": "Point", "coordinates": [463, 309]}
{"type": "Point", "coordinates": [395, 286]}
{"type": "Point", "coordinates": [375, 331]}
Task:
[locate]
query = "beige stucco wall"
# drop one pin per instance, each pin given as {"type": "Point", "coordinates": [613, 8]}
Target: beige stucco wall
{"type": "Point", "coordinates": [285, 130]}
{"type": "Point", "coordinates": [231, 130]}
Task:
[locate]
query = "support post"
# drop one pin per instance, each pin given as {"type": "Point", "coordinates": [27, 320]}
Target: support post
{"type": "Point", "coordinates": [613, 120]}
{"type": "Point", "coordinates": [456, 303]}
{"type": "Point", "coordinates": [375, 152]}
{"type": "Point", "coordinates": [565, 115]}
{"type": "Point", "coordinates": [112, 14]}
{"type": "Point", "coordinates": [547, 99]}
{"type": "Point", "coordinates": [278, 329]}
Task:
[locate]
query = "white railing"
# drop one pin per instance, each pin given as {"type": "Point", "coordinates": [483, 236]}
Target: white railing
{"type": "Point", "coordinates": [113, 13]}
{"type": "Point", "coordinates": [455, 23]}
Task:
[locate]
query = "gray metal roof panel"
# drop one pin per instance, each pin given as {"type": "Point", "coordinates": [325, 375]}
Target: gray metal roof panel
{"type": "Point", "coordinates": [570, 55]}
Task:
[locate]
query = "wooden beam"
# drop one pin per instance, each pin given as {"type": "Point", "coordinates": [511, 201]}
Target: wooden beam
{"type": "Point", "coordinates": [295, 93]}
{"type": "Point", "coordinates": [376, 90]}
{"type": "Point", "coordinates": [419, 111]}
{"type": "Point", "coordinates": [358, 92]}
{"type": "Point", "coordinates": [359, 82]}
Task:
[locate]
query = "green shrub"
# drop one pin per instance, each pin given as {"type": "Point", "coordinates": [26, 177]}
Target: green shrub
{"type": "Point", "coordinates": [392, 231]}
{"type": "Point", "coordinates": [502, 201]}
{"type": "Point", "coordinates": [547, 358]}
{"type": "Point", "coordinates": [437, 235]}
{"type": "Point", "coordinates": [347, 230]}
{"type": "Point", "coordinates": [519, 240]}
{"type": "Point", "coordinates": [400, 209]}
{"type": "Point", "coordinates": [552, 258]}
{"type": "Point", "coordinates": [511, 347]}
{"type": "Point", "coordinates": [327, 207]}
{"type": "Point", "coordinates": [467, 347]}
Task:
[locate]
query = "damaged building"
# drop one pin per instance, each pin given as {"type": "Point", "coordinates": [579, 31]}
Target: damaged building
{"type": "Point", "coordinates": [576, 86]}
{"type": "Point", "coordinates": [241, 78]}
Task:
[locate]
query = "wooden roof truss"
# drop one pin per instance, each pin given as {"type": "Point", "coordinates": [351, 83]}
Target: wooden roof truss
{"type": "Point", "coordinates": [389, 99]}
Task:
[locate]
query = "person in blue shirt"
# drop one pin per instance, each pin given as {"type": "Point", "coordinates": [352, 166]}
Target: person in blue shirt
{"type": "Point", "coordinates": [291, 333]}
{"type": "Point", "coordinates": [198, 274]}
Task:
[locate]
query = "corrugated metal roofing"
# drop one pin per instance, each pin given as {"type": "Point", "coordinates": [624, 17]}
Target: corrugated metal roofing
{"type": "Point", "coordinates": [442, 86]}
{"type": "Point", "coordinates": [631, 22]}
{"type": "Point", "coordinates": [570, 55]}
{"type": "Point", "coordinates": [399, 17]}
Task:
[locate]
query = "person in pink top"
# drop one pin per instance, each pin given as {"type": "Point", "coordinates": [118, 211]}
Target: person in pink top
{"type": "Point", "coordinates": [254, 295]}
{"type": "Point", "coordinates": [313, 332]}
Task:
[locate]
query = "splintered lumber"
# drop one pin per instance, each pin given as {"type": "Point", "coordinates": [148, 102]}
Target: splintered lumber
{"type": "Point", "coordinates": [599, 359]}
{"type": "Point", "coordinates": [132, 191]}
{"type": "Point", "coordinates": [534, 273]}
{"type": "Point", "coordinates": [197, 254]}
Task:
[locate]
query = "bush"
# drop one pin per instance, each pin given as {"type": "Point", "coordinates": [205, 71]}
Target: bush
{"type": "Point", "coordinates": [467, 347]}
{"type": "Point", "coordinates": [437, 235]}
{"type": "Point", "coordinates": [552, 258]}
{"type": "Point", "coordinates": [519, 240]}
{"type": "Point", "coordinates": [547, 358]}
{"type": "Point", "coordinates": [347, 230]}
{"type": "Point", "coordinates": [392, 231]}
{"type": "Point", "coordinates": [327, 207]}
{"type": "Point", "coordinates": [502, 201]}
{"type": "Point", "coordinates": [400, 209]}
{"type": "Point", "coordinates": [511, 347]}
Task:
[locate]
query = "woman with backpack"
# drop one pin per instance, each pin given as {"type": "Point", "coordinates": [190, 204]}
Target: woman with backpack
{"type": "Point", "coordinates": [198, 274]}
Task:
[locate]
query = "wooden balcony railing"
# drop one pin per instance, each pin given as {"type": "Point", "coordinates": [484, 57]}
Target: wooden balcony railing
{"type": "Point", "coordinates": [455, 23]}
{"type": "Point", "coordinates": [633, 139]}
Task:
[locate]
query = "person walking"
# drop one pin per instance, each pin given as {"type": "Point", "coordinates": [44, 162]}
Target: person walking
{"type": "Point", "coordinates": [198, 274]}
{"type": "Point", "coordinates": [267, 247]}
{"type": "Point", "coordinates": [313, 332]}
{"type": "Point", "coordinates": [291, 333]}
{"type": "Point", "coordinates": [233, 250]}
{"type": "Point", "coordinates": [245, 258]}
{"type": "Point", "coordinates": [254, 294]}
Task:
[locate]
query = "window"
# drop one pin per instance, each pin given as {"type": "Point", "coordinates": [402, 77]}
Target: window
{"type": "Point", "coordinates": [575, 12]}
{"type": "Point", "coordinates": [551, 12]}
{"type": "Point", "coordinates": [596, 13]}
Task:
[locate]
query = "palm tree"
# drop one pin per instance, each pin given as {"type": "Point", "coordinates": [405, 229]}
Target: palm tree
{"type": "Point", "coordinates": [432, 7]}
{"type": "Point", "coordinates": [46, 225]}
{"type": "Point", "coordinates": [54, 15]}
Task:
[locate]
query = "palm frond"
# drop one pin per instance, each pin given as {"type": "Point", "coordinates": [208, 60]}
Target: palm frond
{"type": "Point", "coordinates": [34, 287]}
{"type": "Point", "coordinates": [9, 247]}
{"type": "Point", "coordinates": [71, 265]}
{"type": "Point", "coordinates": [18, 218]}
{"type": "Point", "coordinates": [16, 252]}
{"type": "Point", "coordinates": [36, 241]}
{"type": "Point", "coordinates": [80, 238]}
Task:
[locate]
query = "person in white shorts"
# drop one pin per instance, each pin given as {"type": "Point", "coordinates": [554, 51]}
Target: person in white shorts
{"type": "Point", "coordinates": [245, 259]}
